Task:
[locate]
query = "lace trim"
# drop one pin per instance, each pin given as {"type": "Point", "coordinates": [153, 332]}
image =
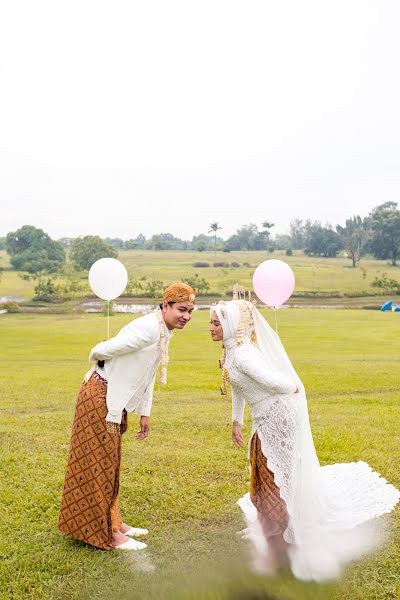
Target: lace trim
{"type": "Point", "coordinates": [344, 495]}
{"type": "Point", "coordinates": [277, 435]}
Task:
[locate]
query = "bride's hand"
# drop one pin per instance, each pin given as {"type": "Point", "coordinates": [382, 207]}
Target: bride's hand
{"type": "Point", "coordinates": [237, 437]}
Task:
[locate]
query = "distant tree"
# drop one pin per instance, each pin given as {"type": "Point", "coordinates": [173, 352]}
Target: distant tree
{"type": "Point", "coordinates": [32, 250]}
{"type": "Point", "coordinates": [267, 226]}
{"type": "Point", "coordinates": [165, 241]}
{"type": "Point", "coordinates": [321, 241]}
{"type": "Point", "coordinates": [86, 250]}
{"type": "Point", "coordinates": [201, 246]}
{"type": "Point", "coordinates": [204, 242]}
{"type": "Point", "coordinates": [2, 243]}
{"type": "Point", "coordinates": [266, 233]}
{"type": "Point", "coordinates": [297, 234]}
{"type": "Point", "coordinates": [115, 242]}
{"type": "Point", "coordinates": [247, 237]}
{"type": "Point", "coordinates": [354, 236]}
{"type": "Point", "coordinates": [135, 244]}
{"type": "Point", "coordinates": [282, 241]}
{"type": "Point", "coordinates": [384, 223]}
{"type": "Point", "coordinates": [65, 241]}
{"type": "Point", "coordinates": [214, 227]}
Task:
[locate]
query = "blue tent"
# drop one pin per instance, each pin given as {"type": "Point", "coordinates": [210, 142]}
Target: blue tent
{"type": "Point", "coordinates": [387, 305]}
{"type": "Point", "coordinates": [396, 309]}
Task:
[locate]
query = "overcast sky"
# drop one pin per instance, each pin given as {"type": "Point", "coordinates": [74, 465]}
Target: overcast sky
{"type": "Point", "coordinates": [123, 117]}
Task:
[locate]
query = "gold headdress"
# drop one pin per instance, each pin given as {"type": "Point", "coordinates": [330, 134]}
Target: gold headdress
{"type": "Point", "coordinates": [176, 292]}
{"type": "Point", "coordinates": [179, 292]}
{"type": "Point", "coordinates": [246, 322]}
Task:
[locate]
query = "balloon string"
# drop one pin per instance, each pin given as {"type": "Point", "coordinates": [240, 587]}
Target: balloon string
{"type": "Point", "coordinates": [276, 320]}
{"type": "Point", "coordinates": [108, 319]}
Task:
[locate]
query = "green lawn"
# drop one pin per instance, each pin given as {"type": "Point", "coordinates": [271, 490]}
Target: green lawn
{"type": "Point", "coordinates": [182, 483]}
{"type": "Point", "coordinates": [312, 274]}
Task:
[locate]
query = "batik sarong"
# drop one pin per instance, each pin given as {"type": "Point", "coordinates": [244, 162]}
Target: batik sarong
{"type": "Point", "coordinates": [89, 507]}
{"type": "Point", "coordinates": [264, 493]}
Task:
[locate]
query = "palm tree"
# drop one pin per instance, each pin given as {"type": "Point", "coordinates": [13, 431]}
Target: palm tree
{"type": "Point", "coordinates": [267, 226]}
{"type": "Point", "coordinates": [215, 227]}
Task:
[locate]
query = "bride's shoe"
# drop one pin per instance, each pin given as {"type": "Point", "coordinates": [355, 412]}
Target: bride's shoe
{"type": "Point", "coordinates": [131, 545]}
{"type": "Point", "coordinates": [244, 533]}
{"type": "Point", "coordinates": [136, 531]}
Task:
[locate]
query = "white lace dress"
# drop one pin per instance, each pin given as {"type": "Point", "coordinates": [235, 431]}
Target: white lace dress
{"type": "Point", "coordinates": [328, 506]}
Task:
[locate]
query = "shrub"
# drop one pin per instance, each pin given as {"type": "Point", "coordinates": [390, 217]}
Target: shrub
{"type": "Point", "coordinates": [289, 252]}
{"type": "Point", "coordinates": [235, 264]}
{"type": "Point", "coordinates": [153, 288]}
{"type": "Point", "coordinates": [385, 283]}
{"type": "Point", "coordinates": [201, 264]}
{"type": "Point", "coordinates": [246, 264]}
{"type": "Point", "coordinates": [10, 306]}
{"type": "Point", "coordinates": [47, 291]}
{"type": "Point", "coordinates": [220, 264]}
{"type": "Point", "coordinates": [201, 285]}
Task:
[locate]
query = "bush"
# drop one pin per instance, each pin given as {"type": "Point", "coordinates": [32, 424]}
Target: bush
{"type": "Point", "coordinates": [200, 285]}
{"type": "Point", "coordinates": [201, 264]}
{"type": "Point", "coordinates": [220, 264]}
{"type": "Point", "coordinates": [386, 283]}
{"type": "Point", "coordinates": [153, 288]}
{"type": "Point", "coordinates": [235, 264]}
{"type": "Point", "coordinates": [10, 306]}
{"type": "Point", "coordinates": [289, 252]}
{"type": "Point", "coordinates": [246, 264]}
{"type": "Point", "coordinates": [47, 291]}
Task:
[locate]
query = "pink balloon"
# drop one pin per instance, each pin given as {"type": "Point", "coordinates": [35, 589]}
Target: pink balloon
{"type": "Point", "coordinates": [273, 282]}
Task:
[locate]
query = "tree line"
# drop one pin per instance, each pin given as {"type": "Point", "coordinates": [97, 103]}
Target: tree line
{"type": "Point", "coordinates": [377, 234]}
{"type": "Point", "coordinates": [32, 250]}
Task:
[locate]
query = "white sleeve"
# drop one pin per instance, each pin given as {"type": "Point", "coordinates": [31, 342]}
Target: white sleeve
{"type": "Point", "coordinates": [114, 418]}
{"type": "Point", "coordinates": [237, 407]}
{"type": "Point", "coordinates": [250, 361]}
{"type": "Point", "coordinates": [144, 407]}
{"type": "Point", "coordinates": [132, 337]}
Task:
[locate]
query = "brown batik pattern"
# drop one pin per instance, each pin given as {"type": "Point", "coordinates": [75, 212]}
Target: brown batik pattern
{"type": "Point", "coordinates": [264, 493]}
{"type": "Point", "coordinates": [92, 475]}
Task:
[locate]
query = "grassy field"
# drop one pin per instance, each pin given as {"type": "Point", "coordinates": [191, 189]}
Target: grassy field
{"type": "Point", "coordinates": [312, 274]}
{"type": "Point", "coordinates": [182, 483]}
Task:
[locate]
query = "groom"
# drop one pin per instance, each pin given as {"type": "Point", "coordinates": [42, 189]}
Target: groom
{"type": "Point", "coordinates": [121, 381]}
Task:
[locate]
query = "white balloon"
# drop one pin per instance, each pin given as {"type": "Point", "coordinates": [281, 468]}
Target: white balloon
{"type": "Point", "coordinates": [108, 278]}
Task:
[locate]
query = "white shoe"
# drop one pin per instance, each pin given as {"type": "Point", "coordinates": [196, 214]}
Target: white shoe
{"type": "Point", "coordinates": [134, 531]}
{"type": "Point", "coordinates": [131, 545]}
{"type": "Point", "coordinates": [244, 532]}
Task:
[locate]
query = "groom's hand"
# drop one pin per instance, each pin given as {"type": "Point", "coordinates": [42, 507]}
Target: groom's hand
{"type": "Point", "coordinates": [144, 428]}
{"type": "Point", "coordinates": [237, 437]}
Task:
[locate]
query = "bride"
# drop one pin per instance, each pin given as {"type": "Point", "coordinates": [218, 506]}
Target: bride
{"type": "Point", "coordinates": [313, 518]}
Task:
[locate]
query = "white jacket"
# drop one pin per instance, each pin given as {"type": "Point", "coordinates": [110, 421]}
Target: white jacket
{"type": "Point", "coordinates": [131, 361]}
